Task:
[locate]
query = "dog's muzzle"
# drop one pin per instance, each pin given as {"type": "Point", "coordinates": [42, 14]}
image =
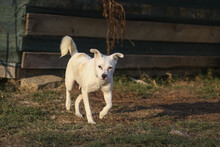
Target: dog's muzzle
{"type": "Point", "coordinates": [104, 76]}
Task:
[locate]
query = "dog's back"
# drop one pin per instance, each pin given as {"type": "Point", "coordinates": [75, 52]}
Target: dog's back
{"type": "Point", "coordinates": [77, 66]}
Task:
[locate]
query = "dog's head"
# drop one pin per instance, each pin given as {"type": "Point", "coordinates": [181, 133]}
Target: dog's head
{"type": "Point", "coordinates": [105, 65]}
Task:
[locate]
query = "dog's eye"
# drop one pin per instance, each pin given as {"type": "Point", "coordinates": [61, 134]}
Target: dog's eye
{"type": "Point", "coordinates": [100, 67]}
{"type": "Point", "coordinates": [109, 68]}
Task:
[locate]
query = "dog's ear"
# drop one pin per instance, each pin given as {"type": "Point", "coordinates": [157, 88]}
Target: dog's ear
{"type": "Point", "coordinates": [97, 54]}
{"type": "Point", "coordinates": [116, 55]}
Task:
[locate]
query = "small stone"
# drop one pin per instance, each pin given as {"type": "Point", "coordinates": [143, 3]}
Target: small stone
{"type": "Point", "coordinates": [53, 117]}
{"type": "Point", "coordinates": [179, 133]}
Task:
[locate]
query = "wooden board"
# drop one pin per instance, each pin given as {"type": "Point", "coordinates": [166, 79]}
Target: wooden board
{"type": "Point", "coordinates": [139, 11]}
{"type": "Point", "coordinates": [91, 4]}
{"type": "Point", "coordinates": [40, 60]}
{"type": "Point", "coordinates": [182, 3]}
{"type": "Point", "coordinates": [172, 13]}
{"type": "Point", "coordinates": [55, 25]}
{"type": "Point", "coordinates": [24, 73]}
{"type": "Point", "coordinates": [168, 62]}
{"type": "Point", "coordinates": [52, 44]}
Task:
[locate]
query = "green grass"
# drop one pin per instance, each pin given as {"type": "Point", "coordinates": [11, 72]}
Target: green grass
{"type": "Point", "coordinates": [126, 85]}
{"type": "Point", "coordinates": [209, 89]}
{"type": "Point", "coordinates": [139, 133]}
{"type": "Point", "coordinates": [28, 117]}
{"type": "Point", "coordinates": [44, 96]}
{"type": "Point", "coordinates": [15, 117]}
{"type": "Point", "coordinates": [51, 138]}
{"type": "Point", "coordinates": [200, 129]}
{"type": "Point", "coordinates": [145, 134]}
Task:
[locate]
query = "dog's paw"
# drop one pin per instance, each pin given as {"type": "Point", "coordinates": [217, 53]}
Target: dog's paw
{"type": "Point", "coordinates": [92, 122]}
{"type": "Point", "coordinates": [67, 108]}
{"type": "Point", "coordinates": [101, 116]}
{"type": "Point", "coordinates": [79, 115]}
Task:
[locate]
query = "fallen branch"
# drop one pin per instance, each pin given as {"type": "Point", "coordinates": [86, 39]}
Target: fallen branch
{"type": "Point", "coordinates": [138, 81]}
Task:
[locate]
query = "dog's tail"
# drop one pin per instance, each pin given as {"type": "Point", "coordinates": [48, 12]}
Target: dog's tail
{"type": "Point", "coordinates": [67, 44]}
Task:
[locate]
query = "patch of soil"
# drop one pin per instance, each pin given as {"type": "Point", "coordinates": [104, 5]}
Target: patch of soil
{"type": "Point", "coordinates": [175, 104]}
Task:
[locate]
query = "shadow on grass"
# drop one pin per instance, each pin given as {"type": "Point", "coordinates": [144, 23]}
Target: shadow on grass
{"type": "Point", "coordinates": [182, 110]}
{"type": "Point", "coordinates": [131, 109]}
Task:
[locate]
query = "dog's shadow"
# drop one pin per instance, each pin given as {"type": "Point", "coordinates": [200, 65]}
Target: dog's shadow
{"type": "Point", "coordinates": [182, 110]}
{"type": "Point", "coordinates": [127, 109]}
{"type": "Point", "coordinates": [177, 110]}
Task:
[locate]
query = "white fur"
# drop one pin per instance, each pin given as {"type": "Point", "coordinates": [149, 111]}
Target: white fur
{"type": "Point", "coordinates": [91, 74]}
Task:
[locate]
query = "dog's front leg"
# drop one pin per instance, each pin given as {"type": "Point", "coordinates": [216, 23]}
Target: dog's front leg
{"type": "Point", "coordinates": [108, 100]}
{"type": "Point", "coordinates": [87, 107]}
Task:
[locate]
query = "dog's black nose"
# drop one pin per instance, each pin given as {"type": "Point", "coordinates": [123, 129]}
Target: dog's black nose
{"type": "Point", "coordinates": [104, 76]}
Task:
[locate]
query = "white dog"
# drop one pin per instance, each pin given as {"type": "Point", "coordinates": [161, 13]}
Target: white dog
{"type": "Point", "coordinates": [91, 74]}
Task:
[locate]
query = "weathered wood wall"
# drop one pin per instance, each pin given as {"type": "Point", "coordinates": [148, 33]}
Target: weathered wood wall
{"type": "Point", "coordinates": [44, 25]}
{"type": "Point", "coordinates": [172, 35]}
{"type": "Point", "coordinates": [31, 60]}
{"type": "Point", "coordinates": [164, 45]}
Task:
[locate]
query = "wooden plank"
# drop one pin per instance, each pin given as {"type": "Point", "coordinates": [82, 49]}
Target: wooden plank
{"type": "Point", "coordinates": [55, 25]}
{"type": "Point", "coordinates": [52, 44]}
{"type": "Point", "coordinates": [168, 62]}
{"type": "Point", "coordinates": [66, 4]}
{"type": "Point", "coordinates": [90, 4]}
{"type": "Point", "coordinates": [172, 14]}
{"type": "Point", "coordinates": [40, 60]}
{"type": "Point", "coordinates": [188, 11]}
{"type": "Point", "coordinates": [145, 12]}
{"type": "Point", "coordinates": [24, 73]}
{"type": "Point", "coordinates": [183, 3]}
{"type": "Point", "coordinates": [37, 24]}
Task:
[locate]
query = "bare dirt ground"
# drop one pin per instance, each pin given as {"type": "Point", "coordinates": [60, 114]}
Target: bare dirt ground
{"type": "Point", "coordinates": [177, 104]}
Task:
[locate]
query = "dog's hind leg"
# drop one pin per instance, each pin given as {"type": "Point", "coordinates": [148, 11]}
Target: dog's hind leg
{"type": "Point", "coordinates": [68, 100]}
{"type": "Point", "coordinates": [77, 103]}
{"type": "Point", "coordinates": [69, 85]}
